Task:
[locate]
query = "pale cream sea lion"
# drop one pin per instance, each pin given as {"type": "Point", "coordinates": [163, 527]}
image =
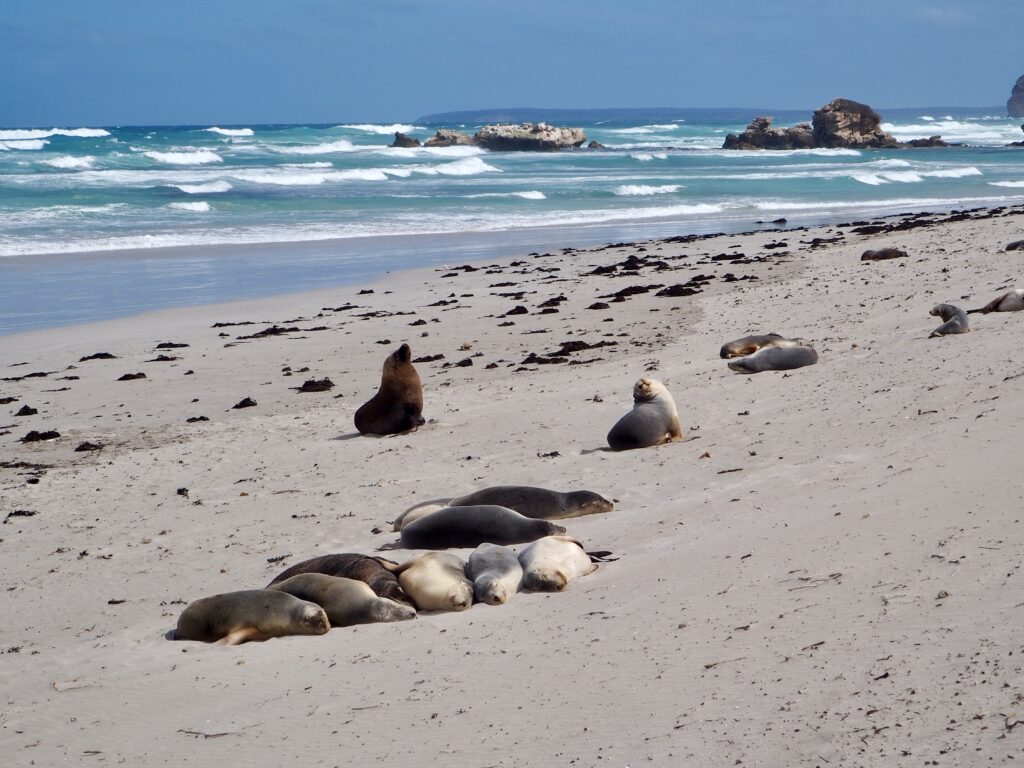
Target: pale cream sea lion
{"type": "Point", "coordinates": [1011, 301]}
{"type": "Point", "coordinates": [549, 564]}
{"type": "Point", "coordinates": [436, 581]}
{"type": "Point", "coordinates": [955, 320]}
{"type": "Point", "coordinates": [232, 618]}
{"type": "Point", "coordinates": [652, 421]}
{"type": "Point", "coordinates": [748, 345]}
{"type": "Point", "coordinates": [398, 405]}
{"type": "Point", "coordinates": [346, 601]}
{"type": "Point", "coordinates": [495, 572]}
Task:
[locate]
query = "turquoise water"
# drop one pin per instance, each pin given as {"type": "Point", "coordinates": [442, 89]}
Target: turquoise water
{"type": "Point", "coordinates": [108, 222]}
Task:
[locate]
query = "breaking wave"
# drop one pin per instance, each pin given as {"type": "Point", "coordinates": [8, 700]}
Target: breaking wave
{"type": "Point", "coordinates": [198, 157]}
{"type": "Point", "coordinates": [382, 129]}
{"type": "Point", "coordinates": [23, 144]}
{"type": "Point", "coordinates": [200, 207]}
{"type": "Point", "coordinates": [231, 131]}
{"type": "Point", "coordinates": [35, 133]}
{"type": "Point", "coordinates": [71, 163]}
{"type": "Point", "coordinates": [645, 189]}
{"type": "Point", "coordinates": [327, 148]}
{"type": "Point", "coordinates": [211, 187]}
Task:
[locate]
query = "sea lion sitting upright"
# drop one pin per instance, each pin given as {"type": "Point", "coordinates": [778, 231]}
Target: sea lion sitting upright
{"type": "Point", "coordinates": [955, 320]}
{"type": "Point", "coordinates": [375, 571]}
{"type": "Point", "coordinates": [472, 526]}
{"type": "Point", "coordinates": [398, 405]}
{"type": "Point", "coordinates": [776, 359]}
{"type": "Point", "coordinates": [436, 581]}
{"type": "Point", "coordinates": [748, 345]}
{"type": "Point", "coordinates": [539, 503]}
{"type": "Point", "coordinates": [1011, 301]}
{"type": "Point", "coordinates": [254, 614]}
{"type": "Point", "coordinates": [549, 564]}
{"type": "Point", "coordinates": [495, 572]}
{"type": "Point", "coordinates": [346, 601]}
{"type": "Point", "coordinates": [652, 421]}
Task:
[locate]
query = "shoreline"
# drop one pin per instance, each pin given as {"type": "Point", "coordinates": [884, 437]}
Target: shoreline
{"type": "Point", "coordinates": [136, 282]}
{"type": "Point", "coordinates": [824, 570]}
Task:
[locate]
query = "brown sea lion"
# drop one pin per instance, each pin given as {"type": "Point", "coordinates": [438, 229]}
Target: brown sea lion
{"type": "Point", "coordinates": [254, 614]}
{"type": "Point", "coordinates": [748, 345]}
{"type": "Point", "coordinates": [346, 601]}
{"type": "Point", "coordinates": [375, 571]}
{"type": "Point", "coordinates": [398, 405]}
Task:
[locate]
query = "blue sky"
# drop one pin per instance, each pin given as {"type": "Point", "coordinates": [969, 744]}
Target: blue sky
{"type": "Point", "coordinates": [118, 62]}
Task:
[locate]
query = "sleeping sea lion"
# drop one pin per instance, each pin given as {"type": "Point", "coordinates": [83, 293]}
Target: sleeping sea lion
{"type": "Point", "coordinates": [346, 601]}
{"type": "Point", "coordinates": [232, 618]}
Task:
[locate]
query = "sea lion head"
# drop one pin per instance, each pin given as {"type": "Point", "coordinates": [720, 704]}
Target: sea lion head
{"type": "Point", "coordinates": [460, 596]}
{"type": "Point", "coordinates": [546, 580]}
{"type": "Point", "coordinates": [648, 389]}
{"type": "Point", "coordinates": [493, 592]}
{"type": "Point", "coordinates": [389, 610]}
{"type": "Point", "coordinates": [403, 354]}
{"type": "Point", "coordinates": [547, 528]}
{"type": "Point", "coordinates": [588, 502]}
{"type": "Point", "coordinates": [313, 619]}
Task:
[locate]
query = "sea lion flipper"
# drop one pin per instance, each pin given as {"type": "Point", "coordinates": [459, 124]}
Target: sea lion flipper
{"type": "Point", "coordinates": [239, 636]}
{"type": "Point", "coordinates": [388, 565]}
{"type": "Point", "coordinates": [601, 557]}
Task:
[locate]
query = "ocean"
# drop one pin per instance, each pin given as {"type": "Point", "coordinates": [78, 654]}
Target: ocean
{"type": "Point", "coordinates": [97, 223]}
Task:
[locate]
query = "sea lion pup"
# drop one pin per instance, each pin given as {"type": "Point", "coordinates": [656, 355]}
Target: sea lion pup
{"type": "Point", "coordinates": [956, 320]}
{"type": "Point", "coordinates": [436, 581]}
{"type": "Point", "coordinates": [1011, 301]}
{"type": "Point", "coordinates": [652, 421]}
{"type": "Point", "coordinates": [549, 564]}
{"type": "Point", "coordinates": [346, 601]}
{"type": "Point", "coordinates": [472, 526]}
{"type": "Point", "coordinates": [232, 618]}
{"type": "Point", "coordinates": [776, 359]}
{"type": "Point", "coordinates": [375, 571]}
{"type": "Point", "coordinates": [495, 572]}
{"type": "Point", "coordinates": [538, 502]}
{"type": "Point", "coordinates": [748, 345]}
{"type": "Point", "coordinates": [398, 405]}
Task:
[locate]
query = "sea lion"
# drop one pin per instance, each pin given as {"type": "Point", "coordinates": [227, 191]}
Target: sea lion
{"type": "Point", "coordinates": [549, 564]}
{"type": "Point", "coordinates": [232, 618]}
{"type": "Point", "coordinates": [748, 345]}
{"type": "Point", "coordinates": [346, 601]}
{"type": "Point", "coordinates": [775, 359]}
{"type": "Point", "coordinates": [495, 572]}
{"type": "Point", "coordinates": [1011, 301]}
{"type": "Point", "coordinates": [398, 405]}
{"type": "Point", "coordinates": [882, 254]}
{"type": "Point", "coordinates": [1016, 245]}
{"type": "Point", "coordinates": [375, 571]}
{"type": "Point", "coordinates": [416, 511]}
{"type": "Point", "coordinates": [652, 421]}
{"type": "Point", "coordinates": [472, 526]}
{"type": "Point", "coordinates": [955, 320]}
{"type": "Point", "coordinates": [436, 581]}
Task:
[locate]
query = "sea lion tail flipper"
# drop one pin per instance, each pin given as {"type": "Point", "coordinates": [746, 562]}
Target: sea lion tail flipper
{"type": "Point", "coordinates": [239, 636]}
{"type": "Point", "coordinates": [388, 565]}
{"type": "Point", "coordinates": [390, 545]}
{"type": "Point", "coordinates": [602, 556]}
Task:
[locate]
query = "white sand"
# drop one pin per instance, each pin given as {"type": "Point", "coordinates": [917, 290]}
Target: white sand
{"type": "Point", "coordinates": [849, 596]}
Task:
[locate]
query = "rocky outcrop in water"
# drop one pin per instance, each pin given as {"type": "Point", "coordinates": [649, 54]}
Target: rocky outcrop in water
{"type": "Point", "coordinates": [401, 140]}
{"type": "Point", "coordinates": [448, 138]}
{"type": "Point", "coordinates": [536, 137]}
{"type": "Point", "coordinates": [841, 123]}
{"type": "Point", "coordinates": [1017, 143]}
{"type": "Point", "coordinates": [1015, 104]}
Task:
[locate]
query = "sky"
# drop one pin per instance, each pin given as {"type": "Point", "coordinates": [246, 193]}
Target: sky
{"type": "Point", "coordinates": [146, 62]}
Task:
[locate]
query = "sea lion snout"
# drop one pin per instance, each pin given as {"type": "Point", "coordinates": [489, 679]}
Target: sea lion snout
{"type": "Point", "coordinates": [403, 354]}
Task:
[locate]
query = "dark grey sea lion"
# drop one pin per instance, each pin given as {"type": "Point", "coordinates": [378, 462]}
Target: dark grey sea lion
{"type": "Point", "coordinates": [232, 618]}
{"type": "Point", "coordinates": [775, 359]}
{"type": "Point", "coordinates": [1016, 245]}
{"type": "Point", "coordinates": [375, 571]}
{"type": "Point", "coordinates": [495, 572]}
{"type": "Point", "coordinates": [955, 320]}
{"type": "Point", "coordinates": [398, 405]}
{"type": "Point", "coordinates": [652, 421]}
{"type": "Point", "coordinates": [537, 502]}
{"type": "Point", "coordinates": [472, 526]}
{"type": "Point", "coordinates": [346, 601]}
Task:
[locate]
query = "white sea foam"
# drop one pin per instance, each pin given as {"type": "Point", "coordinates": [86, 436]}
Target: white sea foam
{"type": "Point", "coordinates": [317, 164]}
{"type": "Point", "coordinates": [297, 178]}
{"type": "Point", "coordinates": [890, 163]}
{"type": "Point", "coordinates": [530, 195]}
{"type": "Point", "coordinates": [1011, 184]}
{"type": "Point", "coordinates": [211, 187]}
{"type": "Point", "coordinates": [86, 133]}
{"type": "Point", "coordinates": [410, 152]}
{"type": "Point", "coordinates": [646, 157]}
{"type": "Point", "coordinates": [199, 207]}
{"type": "Point", "coordinates": [197, 157]}
{"type": "Point", "coordinates": [70, 162]}
{"type": "Point", "coordinates": [780, 154]}
{"type": "Point", "coordinates": [231, 131]}
{"type": "Point", "coordinates": [912, 177]}
{"type": "Point", "coordinates": [904, 203]}
{"type": "Point", "coordinates": [382, 129]}
{"type": "Point", "coordinates": [470, 166]}
{"type": "Point", "coordinates": [23, 144]}
{"type": "Point", "coordinates": [327, 148]}
{"type": "Point", "coordinates": [646, 189]}
{"type": "Point", "coordinates": [954, 173]}
{"type": "Point", "coordinates": [644, 129]}
{"type": "Point", "coordinates": [957, 131]}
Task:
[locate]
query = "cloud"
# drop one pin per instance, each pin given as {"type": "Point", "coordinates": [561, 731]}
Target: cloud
{"type": "Point", "coordinates": [946, 16]}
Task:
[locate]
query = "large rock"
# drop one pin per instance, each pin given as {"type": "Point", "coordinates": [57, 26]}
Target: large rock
{"type": "Point", "coordinates": [401, 140]}
{"type": "Point", "coordinates": [448, 138]}
{"type": "Point", "coordinates": [537, 137]}
{"type": "Point", "coordinates": [761, 135]}
{"type": "Point", "coordinates": [1015, 105]}
{"type": "Point", "coordinates": [1017, 143]}
{"type": "Point", "coordinates": [843, 123]}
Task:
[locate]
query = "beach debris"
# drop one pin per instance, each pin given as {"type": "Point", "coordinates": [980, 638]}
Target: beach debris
{"type": "Point", "coordinates": [428, 358]}
{"type": "Point", "coordinates": [315, 385]}
{"type": "Point", "coordinates": [194, 419]}
{"type": "Point", "coordinates": [246, 402]}
{"type": "Point", "coordinates": [35, 436]}
{"type": "Point", "coordinates": [182, 492]}
{"type": "Point", "coordinates": [171, 345]}
{"type": "Point", "coordinates": [87, 446]}
{"type": "Point", "coordinates": [19, 513]}
{"type": "Point", "coordinates": [519, 309]}
{"type": "Point", "coordinates": [26, 410]}
{"type": "Point", "coordinates": [97, 356]}
{"type": "Point", "coordinates": [131, 376]}
{"type": "Point", "coordinates": [598, 305]}
{"type": "Point", "coordinates": [162, 359]}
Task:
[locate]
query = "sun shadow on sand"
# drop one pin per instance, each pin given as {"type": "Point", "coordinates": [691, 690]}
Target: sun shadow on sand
{"type": "Point", "coordinates": [349, 436]}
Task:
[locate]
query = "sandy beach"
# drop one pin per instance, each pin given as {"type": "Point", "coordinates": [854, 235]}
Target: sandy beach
{"type": "Point", "coordinates": [825, 572]}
